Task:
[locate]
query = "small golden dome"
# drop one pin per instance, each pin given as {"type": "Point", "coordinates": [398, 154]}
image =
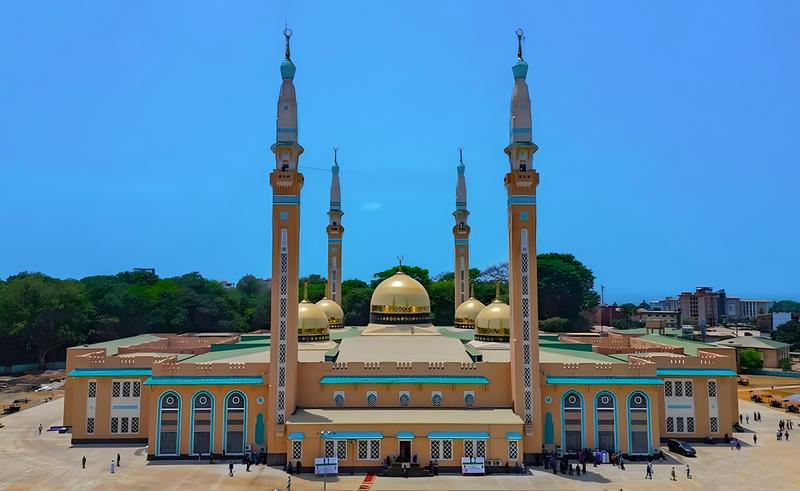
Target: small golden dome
{"type": "Point", "coordinates": [312, 323]}
{"type": "Point", "coordinates": [400, 299]}
{"type": "Point", "coordinates": [493, 323]}
{"type": "Point", "coordinates": [333, 312]}
{"type": "Point", "coordinates": [467, 312]}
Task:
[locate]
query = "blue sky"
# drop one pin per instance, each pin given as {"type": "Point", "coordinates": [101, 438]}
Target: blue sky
{"type": "Point", "coordinates": [138, 134]}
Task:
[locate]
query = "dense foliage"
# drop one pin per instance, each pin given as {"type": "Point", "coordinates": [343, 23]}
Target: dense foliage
{"type": "Point", "coordinates": [788, 332]}
{"type": "Point", "coordinates": [751, 359]}
{"type": "Point", "coordinates": [41, 315]}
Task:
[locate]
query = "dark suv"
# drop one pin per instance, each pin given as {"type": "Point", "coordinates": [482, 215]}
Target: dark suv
{"type": "Point", "coordinates": [682, 448]}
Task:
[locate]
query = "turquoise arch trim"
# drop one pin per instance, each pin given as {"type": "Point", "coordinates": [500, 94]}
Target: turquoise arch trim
{"type": "Point", "coordinates": [583, 419]}
{"type": "Point", "coordinates": [549, 437]}
{"type": "Point", "coordinates": [191, 421]}
{"type": "Point", "coordinates": [259, 436]}
{"type": "Point", "coordinates": [225, 421]}
{"type": "Point", "coordinates": [521, 200]}
{"type": "Point", "coordinates": [158, 423]}
{"type": "Point", "coordinates": [616, 419]}
{"type": "Point", "coordinates": [649, 424]}
{"type": "Point", "coordinates": [109, 372]}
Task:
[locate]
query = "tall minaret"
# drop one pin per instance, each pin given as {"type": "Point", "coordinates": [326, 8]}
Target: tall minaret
{"type": "Point", "coordinates": [286, 184]}
{"type": "Point", "coordinates": [521, 182]}
{"type": "Point", "coordinates": [461, 237]}
{"type": "Point", "coordinates": [335, 231]}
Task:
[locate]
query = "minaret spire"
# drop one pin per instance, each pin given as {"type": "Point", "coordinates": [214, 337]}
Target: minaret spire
{"type": "Point", "coordinates": [286, 182]}
{"type": "Point", "coordinates": [335, 231]}
{"type": "Point", "coordinates": [521, 182]}
{"type": "Point", "coordinates": [461, 236]}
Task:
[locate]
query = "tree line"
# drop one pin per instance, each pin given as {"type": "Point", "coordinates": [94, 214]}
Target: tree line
{"type": "Point", "coordinates": [40, 315]}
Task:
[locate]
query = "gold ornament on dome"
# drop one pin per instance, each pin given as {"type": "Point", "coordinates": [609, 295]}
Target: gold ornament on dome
{"type": "Point", "coordinates": [400, 309]}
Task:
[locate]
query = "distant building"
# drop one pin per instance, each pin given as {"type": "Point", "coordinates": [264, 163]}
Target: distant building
{"type": "Point", "coordinates": [700, 306]}
{"type": "Point", "coordinates": [668, 303]}
{"type": "Point", "coordinates": [146, 270]}
{"type": "Point", "coordinates": [768, 323]}
{"type": "Point", "coordinates": [670, 318]}
{"type": "Point", "coordinates": [773, 352]}
{"type": "Point", "coordinates": [750, 309]}
{"type": "Point", "coordinates": [602, 315]}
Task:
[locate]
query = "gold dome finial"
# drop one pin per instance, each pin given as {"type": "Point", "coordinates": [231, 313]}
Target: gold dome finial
{"type": "Point", "coordinates": [497, 290]}
{"type": "Point", "coordinates": [472, 290]}
{"type": "Point", "coordinates": [305, 291]}
{"type": "Point", "coordinates": [400, 263]}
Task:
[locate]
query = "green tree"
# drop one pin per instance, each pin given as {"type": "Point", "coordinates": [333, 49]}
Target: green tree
{"type": "Point", "coordinates": [751, 359]}
{"type": "Point", "coordinates": [420, 274]}
{"type": "Point", "coordinates": [554, 324]}
{"type": "Point", "coordinates": [249, 285]}
{"type": "Point", "coordinates": [347, 285]}
{"type": "Point", "coordinates": [785, 306]}
{"type": "Point", "coordinates": [442, 296]}
{"type": "Point", "coordinates": [788, 332]}
{"type": "Point", "coordinates": [43, 312]}
{"type": "Point", "coordinates": [565, 286]}
{"type": "Point", "coordinates": [626, 324]}
{"type": "Point", "coordinates": [355, 304]}
{"type": "Point", "coordinates": [629, 309]}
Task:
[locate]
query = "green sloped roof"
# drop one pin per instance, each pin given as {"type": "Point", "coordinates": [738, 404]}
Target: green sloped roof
{"type": "Point", "coordinates": [213, 356]}
{"type": "Point", "coordinates": [348, 332]}
{"type": "Point", "coordinates": [689, 347]}
{"type": "Point", "coordinates": [587, 355]}
{"type": "Point", "coordinates": [113, 346]}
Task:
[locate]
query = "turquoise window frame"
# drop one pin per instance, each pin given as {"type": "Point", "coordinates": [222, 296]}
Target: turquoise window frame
{"type": "Point", "coordinates": [225, 422]}
{"type": "Point", "coordinates": [158, 424]}
{"type": "Point", "coordinates": [563, 419]}
{"type": "Point", "coordinates": [649, 423]}
{"type": "Point", "coordinates": [616, 419]}
{"type": "Point", "coordinates": [191, 421]}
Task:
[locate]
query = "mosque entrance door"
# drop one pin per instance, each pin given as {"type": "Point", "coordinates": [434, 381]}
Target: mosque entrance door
{"type": "Point", "coordinates": [405, 451]}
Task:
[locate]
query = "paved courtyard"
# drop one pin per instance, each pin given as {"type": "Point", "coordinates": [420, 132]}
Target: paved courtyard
{"type": "Point", "coordinates": [50, 462]}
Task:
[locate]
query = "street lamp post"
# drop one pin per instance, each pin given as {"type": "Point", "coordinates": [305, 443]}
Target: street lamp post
{"type": "Point", "coordinates": [323, 434]}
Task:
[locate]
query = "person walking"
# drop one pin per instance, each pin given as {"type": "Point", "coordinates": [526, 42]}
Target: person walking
{"type": "Point", "coordinates": [740, 419]}
{"type": "Point", "coordinates": [248, 464]}
{"type": "Point", "coordinates": [649, 472]}
{"type": "Point", "coordinates": [674, 478]}
{"type": "Point", "coordinates": [688, 472]}
{"type": "Point", "coordinates": [747, 419]}
{"type": "Point", "coordinates": [118, 460]}
{"type": "Point", "coordinates": [622, 463]}
{"type": "Point", "coordinates": [230, 469]}
{"type": "Point", "coordinates": [83, 462]}
{"type": "Point", "coordinates": [786, 435]}
{"type": "Point", "coordinates": [40, 429]}
{"type": "Point", "coordinates": [755, 439]}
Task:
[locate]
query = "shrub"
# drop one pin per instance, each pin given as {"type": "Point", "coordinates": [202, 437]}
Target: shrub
{"type": "Point", "coordinates": [751, 359]}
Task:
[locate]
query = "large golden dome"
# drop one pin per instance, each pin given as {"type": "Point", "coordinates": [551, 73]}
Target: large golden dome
{"type": "Point", "coordinates": [312, 323]}
{"type": "Point", "coordinates": [467, 312]}
{"type": "Point", "coordinates": [400, 299]}
{"type": "Point", "coordinates": [333, 312]}
{"type": "Point", "coordinates": [493, 323]}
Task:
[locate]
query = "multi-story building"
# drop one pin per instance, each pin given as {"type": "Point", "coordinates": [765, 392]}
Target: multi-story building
{"type": "Point", "coordinates": [670, 318]}
{"type": "Point", "coordinates": [700, 307]}
{"type": "Point", "coordinates": [668, 303]}
{"type": "Point", "coordinates": [399, 387]}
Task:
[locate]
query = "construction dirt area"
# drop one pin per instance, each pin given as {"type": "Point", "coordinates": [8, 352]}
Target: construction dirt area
{"type": "Point", "coordinates": [21, 392]}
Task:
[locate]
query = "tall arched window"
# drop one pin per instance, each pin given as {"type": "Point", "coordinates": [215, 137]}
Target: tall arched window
{"type": "Point", "coordinates": [605, 421]}
{"type": "Point", "coordinates": [235, 423]}
{"type": "Point", "coordinates": [572, 421]}
{"type": "Point", "coordinates": [202, 423]}
{"type": "Point", "coordinates": [169, 424]}
{"type": "Point", "coordinates": [638, 423]}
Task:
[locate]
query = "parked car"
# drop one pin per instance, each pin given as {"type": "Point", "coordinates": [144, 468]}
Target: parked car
{"type": "Point", "coordinates": [682, 448]}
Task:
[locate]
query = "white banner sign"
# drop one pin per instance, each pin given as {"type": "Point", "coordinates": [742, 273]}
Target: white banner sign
{"type": "Point", "coordinates": [474, 465]}
{"type": "Point", "coordinates": [327, 465]}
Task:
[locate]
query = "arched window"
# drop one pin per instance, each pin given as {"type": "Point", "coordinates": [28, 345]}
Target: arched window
{"type": "Point", "coordinates": [572, 421]}
{"type": "Point", "coordinates": [169, 424]}
{"type": "Point", "coordinates": [605, 421]}
{"type": "Point", "coordinates": [235, 423]}
{"type": "Point", "coordinates": [638, 423]}
{"type": "Point", "coordinates": [202, 423]}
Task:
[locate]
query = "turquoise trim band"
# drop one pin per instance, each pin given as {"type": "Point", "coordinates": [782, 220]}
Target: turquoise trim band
{"type": "Point", "coordinates": [700, 372]}
{"type": "Point", "coordinates": [352, 435]}
{"type": "Point", "coordinates": [458, 435]}
{"type": "Point", "coordinates": [521, 130]}
{"type": "Point", "coordinates": [279, 199]}
{"type": "Point", "coordinates": [604, 381]}
{"type": "Point", "coordinates": [462, 241]}
{"type": "Point", "coordinates": [297, 435]}
{"type": "Point", "coordinates": [679, 406]}
{"type": "Point", "coordinates": [411, 379]}
{"type": "Point", "coordinates": [405, 435]}
{"type": "Point", "coordinates": [334, 241]}
{"type": "Point", "coordinates": [287, 130]}
{"type": "Point", "coordinates": [521, 200]}
{"type": "Point", "coordinates": [124, 406]}
{"type": "Point", "coordinates": [513, 435]}
{"type": "Point", "coordinates": [110, 372]}
{"type": "Point", "coordinates": [186, 380]}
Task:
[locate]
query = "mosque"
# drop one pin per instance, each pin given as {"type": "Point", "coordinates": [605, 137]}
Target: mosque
{"type": "Point", "coordinates": [490, 386]}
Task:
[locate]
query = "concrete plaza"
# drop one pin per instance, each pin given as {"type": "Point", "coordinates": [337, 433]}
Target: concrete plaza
{"type": "Point", "coordinates": [50, 462]}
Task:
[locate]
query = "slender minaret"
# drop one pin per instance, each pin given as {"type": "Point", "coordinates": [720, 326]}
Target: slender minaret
{"type": "Point", "coordinates": [461, 237]}
{"type": "Point", "coordinates": [521, 182]}
{"type": "Point", "coordinates": [286, 184]}
{"type": "Point", "coordinates": [335, 231]}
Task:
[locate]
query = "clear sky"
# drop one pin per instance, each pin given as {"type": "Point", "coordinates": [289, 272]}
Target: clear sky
{"type": "Point", "coordinates": [137, 134]}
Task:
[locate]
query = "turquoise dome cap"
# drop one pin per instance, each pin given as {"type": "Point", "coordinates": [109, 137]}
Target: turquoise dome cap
{"type": "Point", "coordinates": [520, 69]}
{"type": "Point", "coordinates": [287, 70]}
